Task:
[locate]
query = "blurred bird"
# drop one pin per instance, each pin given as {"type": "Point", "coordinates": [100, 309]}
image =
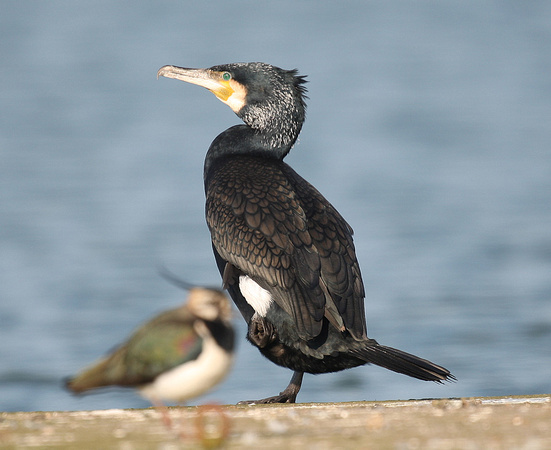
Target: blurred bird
{"type": "Point", "coordinates": [285, 253]}
{"type": "Point", "coordinates": [178, 355]}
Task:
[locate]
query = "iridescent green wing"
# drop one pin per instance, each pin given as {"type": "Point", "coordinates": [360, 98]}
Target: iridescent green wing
{"type": "Point", "coordinates": [162, 346]}
{"type": "Point", "coordinates": [156, 347]}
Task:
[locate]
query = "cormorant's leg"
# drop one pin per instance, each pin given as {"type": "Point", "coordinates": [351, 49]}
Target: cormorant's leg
{"type": "Point", "coordinates": [288, 395]}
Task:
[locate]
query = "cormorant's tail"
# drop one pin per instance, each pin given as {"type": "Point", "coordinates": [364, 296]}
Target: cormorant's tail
{"type": "Point", "coordinates": [402, 362]}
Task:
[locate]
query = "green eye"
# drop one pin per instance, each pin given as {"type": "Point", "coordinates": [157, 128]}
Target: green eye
{"type": "Point", "coordinates": [226, 76]}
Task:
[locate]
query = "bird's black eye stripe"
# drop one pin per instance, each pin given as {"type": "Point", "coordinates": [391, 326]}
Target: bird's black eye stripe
{"type": "Point", "coordinates": [226, 76]}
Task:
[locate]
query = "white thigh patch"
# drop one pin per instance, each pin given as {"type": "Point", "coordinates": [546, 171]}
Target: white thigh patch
{"type": "Point", "coordinates": [260, 299]}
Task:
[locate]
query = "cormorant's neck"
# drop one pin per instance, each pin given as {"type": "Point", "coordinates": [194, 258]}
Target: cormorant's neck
{"type": "Point", "coordinates": [245, 140]}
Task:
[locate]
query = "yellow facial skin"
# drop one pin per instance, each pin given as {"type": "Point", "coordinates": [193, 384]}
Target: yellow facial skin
{"type": "Point", "coordinates": [220, 84]}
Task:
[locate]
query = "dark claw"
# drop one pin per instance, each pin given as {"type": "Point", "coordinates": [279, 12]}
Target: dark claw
{"type": "Point", "coordinates": [289, 395]}
{"type": "Point", "coordinates": [281, 398]}
{"type": "Point", "coordinates": [261, 332]}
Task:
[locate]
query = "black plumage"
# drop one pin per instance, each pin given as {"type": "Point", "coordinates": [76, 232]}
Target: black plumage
{"type": "Point", "coordinates": [286, 255]}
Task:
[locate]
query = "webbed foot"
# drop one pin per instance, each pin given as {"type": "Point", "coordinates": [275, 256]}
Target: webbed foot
{"type": "Point", "coordinates": [288, 395]}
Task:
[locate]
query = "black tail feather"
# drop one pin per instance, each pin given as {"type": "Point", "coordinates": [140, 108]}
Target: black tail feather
{"type": "Point", "coordinates": [402, 362]}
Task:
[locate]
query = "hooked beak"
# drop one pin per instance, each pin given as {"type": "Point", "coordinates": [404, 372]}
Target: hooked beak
{"type": "Point", "coordinates": [206, 78]}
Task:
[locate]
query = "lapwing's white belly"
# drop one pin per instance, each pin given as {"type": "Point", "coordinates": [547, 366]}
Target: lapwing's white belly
{"type": "Point", "coordinates": [193, 378]}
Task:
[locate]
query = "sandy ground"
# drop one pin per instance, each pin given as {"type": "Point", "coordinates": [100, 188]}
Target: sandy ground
{"type": "Point", "coordinates": [468, 423]}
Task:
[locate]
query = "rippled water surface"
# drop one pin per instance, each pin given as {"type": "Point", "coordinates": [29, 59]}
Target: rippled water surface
{"type": "Point", "coordinates": [428, 128]}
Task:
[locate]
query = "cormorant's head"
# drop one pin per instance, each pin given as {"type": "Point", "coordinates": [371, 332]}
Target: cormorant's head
{"type": "Point", "coordinates": [265, 97]}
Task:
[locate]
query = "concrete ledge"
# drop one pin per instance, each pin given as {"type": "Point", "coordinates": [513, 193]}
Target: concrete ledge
{"type": "Point", "coordinates": [467, 423]}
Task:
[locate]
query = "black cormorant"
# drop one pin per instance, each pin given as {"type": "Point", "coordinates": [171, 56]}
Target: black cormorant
{"type": "Point", "coordinates": [285, 253]}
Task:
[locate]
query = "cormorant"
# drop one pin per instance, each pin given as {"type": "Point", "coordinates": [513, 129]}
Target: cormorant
{"type": "Point", "coordinates": [178, 355]}
{"type": "Point", "coordinates": [285, 254]}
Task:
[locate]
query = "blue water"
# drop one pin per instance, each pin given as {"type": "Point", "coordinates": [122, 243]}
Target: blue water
{"type": "Point", "coordinates": [429, 128]}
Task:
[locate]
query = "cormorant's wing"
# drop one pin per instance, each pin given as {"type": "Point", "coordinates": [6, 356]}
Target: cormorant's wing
{"type": "Point", "coordinates": [332, 237]}
{"type": "Point", "coordinates": [276, 228]}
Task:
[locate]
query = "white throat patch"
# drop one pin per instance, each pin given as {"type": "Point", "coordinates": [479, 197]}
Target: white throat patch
{"type": "Point", "coordinates": [260, 299]}
{"type": "Point", "coordinates": [237, 100]}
